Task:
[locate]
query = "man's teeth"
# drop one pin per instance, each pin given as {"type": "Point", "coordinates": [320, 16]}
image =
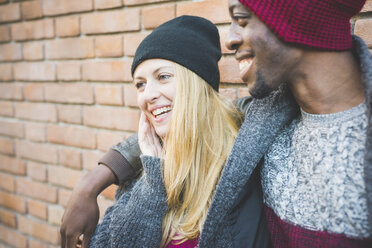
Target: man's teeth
{"type": "Point", "coordinates": [161, 110]}
{"type": "Point", "coordinates": [245, 63]}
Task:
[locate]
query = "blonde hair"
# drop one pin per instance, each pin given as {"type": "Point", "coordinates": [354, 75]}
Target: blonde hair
{"type": "Point", "coordinates": [201, 133]}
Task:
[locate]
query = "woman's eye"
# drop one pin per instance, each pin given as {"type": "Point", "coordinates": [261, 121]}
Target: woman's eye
{"type": "Point", "coordinates": [140, 85]}
{"type": "Point", "coordinates": [164, 76]}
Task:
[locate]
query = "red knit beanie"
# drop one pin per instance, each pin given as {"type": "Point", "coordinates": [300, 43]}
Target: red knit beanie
{"type": "Point", "coordinates": [322, 24]}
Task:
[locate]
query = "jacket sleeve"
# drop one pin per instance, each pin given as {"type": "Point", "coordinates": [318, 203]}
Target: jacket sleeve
{"type": "Point", "coordinates": [124, 159]}
{"type": "Point", "coordinates": [243, 104]}
{"type": "Point", "coordinates": [136, 218]}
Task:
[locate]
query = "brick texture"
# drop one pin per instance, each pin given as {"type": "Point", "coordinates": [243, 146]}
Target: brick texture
{"type": "Point", "coordinates": [32, 10]}
{"type": "Point", "coordinates": [11, 12]}
{"type": "Point", "coordinates": [66, 96]}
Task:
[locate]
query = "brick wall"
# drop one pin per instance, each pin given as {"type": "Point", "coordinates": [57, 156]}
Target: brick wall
{"type": "Point", "coordinates": [66, 96]}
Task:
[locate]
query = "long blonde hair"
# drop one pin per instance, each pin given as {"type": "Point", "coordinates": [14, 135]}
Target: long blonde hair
{"type": "Point", "coordinates": [201, 133]}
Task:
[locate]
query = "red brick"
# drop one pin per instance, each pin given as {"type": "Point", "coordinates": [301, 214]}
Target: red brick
{"type": "Point", "coordinates": [109, 46]}
{"type": "Point", "coordinates": [10, 52]}
{"type": "Point", "coordinates": [130, 95]}
{"type": "Point", "coordinates": [6, 146]}
{"type": "Point", "coordinates": [71, 48]}
{"type": "Point", "coordinates": [229, 70]}
{"type": "Point", "coordinates": [38, 71]}
{"type": "Point", "coordinates": [37, 152]}
{"type": "Point", "coordinates": [229, 93]}
{"type": "Point", "coordinates": [69, 93]}
{"type": "Point", "coordinates": [55, 214]}
{"type": "Point", "coordinates": [12, 129]}
{"type": "Point", "coordinates": [63, 197]}
{"type": "Point", "coordinates": [107, 71]}
{"type": "Point", "coordinates": [39, 230]}
{"type": "Point", "coordinates": [7, 182]}
{"type": "Point", "coordinates": [154, 16]}
{"type": "Point", "coordinates": [109, 192]}
{"type": "Point", "coordinates": [112, 118]}
{"type": "Point", "coordinates": [363, 29]}
{"type": "Point", "coordinates": [36, 111]}
{"type": "Point", "coordinates": [4, 33]}
{"type": "Point", "coordinates": [56, 7]}
{"type": "Point", "coordinates": [10, 12]}
{"type": "Point", "coordinates": [110, 21]}
{"type": "Point", "coordinates": [223, 35]}
{"type": "Point", "coordinates": [6, 73]}
{"type": "Point", "coordinates": [107, 4]}
{"type": "Point", "coordinates": [69, 114]}
{"type": "Point", "coordinates": [7, 218]}
{"type": "Point", "coordinates": [37, 209]}
{"type": "Point", "coordinates": [70, 158]}
{"type": "Point", "coordinates": [35, 131]}
{"type": "Point", "coordinates": [79, 137]}
{"type": "Point", "coordinates": [12, 165]}
{"type": "Point", "coordinates": [11, 91]}
{"type": "Point", "coordinates": [33, 243]}
{"type": "Point", "coordinates": [68, 26]}
{"type": "Point", "coordinates": [90, 159]}
{"type": "Point", "coordinates": [33, 92]}
{"type": "Point", "coordinates": [65, 177]}
{"type": "Point", "coordinates": [107, 139]}
{"type": "Point", "coordinates": [37, 171]}
{"type": "Point", "coordinates": [243, 92]}
{"type": "Point", "coordinates": [11, 201]}
{"type": "Point", "coordinates": [367, 6]}
{"type": "Point", "coordinates": [32, 9]}
{"type": "Point", "coordinates": [6, 108]}
{"type": "Point", "coordinates": [33, 51]}
{"type": "Point", "coordinates": [103, 205]}
{"type": "Point", "coordinates": [131, 42]}
{"type": "Point", "coordinates": [68, 71]}
{"type": "Point", "coordinates": [12, 237]}
{"type": "Point", "coordinates": [214, 10]}
{"type": "Point", "coordinates": [33, 30]}
{"type": "Point", "coordinates": [36, 190]}
{"type": "Point", "coordinates": [136, 2]}
{"type": "Point", "coordinates": [109, 94]}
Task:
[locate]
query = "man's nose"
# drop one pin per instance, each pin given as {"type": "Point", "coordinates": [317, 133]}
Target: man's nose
{"type": "Point", "coordinates": [233, 39]}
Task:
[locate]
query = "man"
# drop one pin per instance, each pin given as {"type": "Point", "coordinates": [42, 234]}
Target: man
{"type": "Point", "coordinates": [316, 176]}
{"type": "Point", "coordinates": [316, 173]}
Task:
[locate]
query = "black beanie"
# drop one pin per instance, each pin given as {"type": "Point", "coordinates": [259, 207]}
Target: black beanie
{"type": "Point", "coordinates": [190, 41]}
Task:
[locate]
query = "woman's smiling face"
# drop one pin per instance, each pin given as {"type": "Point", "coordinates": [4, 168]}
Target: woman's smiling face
{"type": "Point", "coordinates": [156, 85]}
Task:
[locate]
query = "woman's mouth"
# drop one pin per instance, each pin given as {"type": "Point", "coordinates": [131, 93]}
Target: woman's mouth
{"type": "Point", "coordinates": [159, 113]}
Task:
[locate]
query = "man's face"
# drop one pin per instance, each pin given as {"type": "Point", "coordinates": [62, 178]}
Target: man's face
{"type": "Point", "coordinates": [265, 62]}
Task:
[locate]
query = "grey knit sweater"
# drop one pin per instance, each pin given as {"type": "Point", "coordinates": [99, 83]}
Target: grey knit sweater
{"type": "Point", "coordinates": [135, 219]}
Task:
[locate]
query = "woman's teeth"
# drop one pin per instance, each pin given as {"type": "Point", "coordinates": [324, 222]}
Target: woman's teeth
{"type": "Point", "coordinates": [161, 111]}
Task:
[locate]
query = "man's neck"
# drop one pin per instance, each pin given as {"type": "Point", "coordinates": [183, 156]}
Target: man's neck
{"type": "Point", "coordinates": [327, 82]}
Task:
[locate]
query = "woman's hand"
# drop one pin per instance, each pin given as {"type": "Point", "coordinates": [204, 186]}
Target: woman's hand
{"type": "Point", "coordinates": [147, 138]}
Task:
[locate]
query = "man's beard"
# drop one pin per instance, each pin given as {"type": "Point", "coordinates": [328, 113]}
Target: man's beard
{"type": "Point", "coordinates": [260, 89]}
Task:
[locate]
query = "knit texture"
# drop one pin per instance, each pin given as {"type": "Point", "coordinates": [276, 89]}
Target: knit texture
{"type": "Point", "coordinates": [323, 24]}
{"type": "Point", "coordinates": [313, 173]}
{"type": "Point", "coordinates": [136, 218]}
{"type": "Point", "coordinates": [190, 41]}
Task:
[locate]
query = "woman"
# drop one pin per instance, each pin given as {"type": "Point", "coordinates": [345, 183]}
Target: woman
{"type": "Point", "coordinates": [184, 122]}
